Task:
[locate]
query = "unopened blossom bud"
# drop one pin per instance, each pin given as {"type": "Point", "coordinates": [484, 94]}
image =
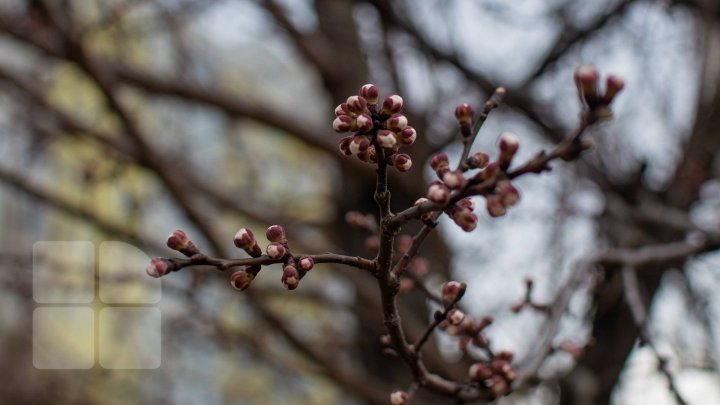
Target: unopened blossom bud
{"type": "Point", "coordinates": [505, 355]}
{"type": "Point", "coordinates": [370, 93]}
{"type": "Point", "coordinates": [241, 279]}
{"type": "Point", "coordinates": [357, 104]}
{"type": "Point", "coordinates": [586, 80]}
{"type": "Point", "coordinates": [159, 267]}
{"type": "Point", "coordinates": [452, 291]}
{"type": "Point", "coordinates": [508, 193]}
{"type": "Point", "coordinates": [419, 267]}
{"type": "Point", "coordinates": [508, 144]}
{"type": "Point", "coordinates": [368, 155]}
{"type": "Point", "coordinates": [495, 206]}
{"type": "Point", "coordinates": [342, 109]}
{"type": "Point", "coordinates": [359, 144]}
{"type": "Point", "coordinates": [397, 122]}
{"type": "Point", "coordinates": [363, 123]}
{"type": "Point", "coordinates": [490, 171]}
{"type": "Point", "coordinates": [372, 243]}
{"type": "Point", "coordinates": [392, 104]}
{"type": "Point", "coordinates": [464, 114]}
{"type": "Point", "coordinates": [398, 397]}
{"type": "Point", "coordinates": [342, 123]}
{"type": "Point", "coordinates": [403, 244]}
{"type": "Point", "coordinates": [407, 136]}
{"type": "Point", "coordinates": [401, 161]}
{"type": "Point", "coordinates": [405, 286]}
{"type": "Point", "coordinates": [477, 160]}
{"type": "Point", "coordinates": [179, 241]}
{"type": "Point", "coordinates": [456, 316]}
{"type": "Point", "coordinates": [344, 145]}
{"type": "Point", "coordinates": [290, 277]}
{"type": "Point", "coordinates": [466, 202]}
{"type": "Point", "coordinates": [454, 180]}
{"type": "Point", "coordinates": [306, 263]}
{"type": "Point", "coordinates": [385, 340]}
{"type": "Point", "coordinates": [355, 218]}
{"type": "Point", "coordinates": [386, 138]}
{"type": "Point", "coordinates": [479, 372]}
{"type": "Point", "coordinates": [498, 385]}
{"type": "Point", "coordinates": [276, 233]}
{"type": "Point", "coordinates": [244, 239]}
{"type": "Point", "coordinates": [440, 164]}
{"type": "Point", "coordinates": [438, 193]}
{"type": "Point", "coordinates": [613, 85]}
{"type": "Point", "coordinates": [465, 219]}
{"type": "Point", "coordinates": [276, 251]}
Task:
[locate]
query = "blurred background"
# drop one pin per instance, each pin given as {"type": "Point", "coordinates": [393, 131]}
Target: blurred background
{"type": "Point", "coordinates": [123, 120]}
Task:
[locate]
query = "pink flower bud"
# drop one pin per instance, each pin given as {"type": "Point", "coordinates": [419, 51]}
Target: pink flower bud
{"type": "Point", "coordinates": [440, 164]}
{"type": "Point", "coordinates": [344, 145]}
{"type": "Point", "coordinates": [342, 109]}
{"type": "Point", "coordinates": [466, 202]}
{"type": "Point", "coordinates": [392, 104]}
{"type": "Point", "coordinates": [241, 279]}
{"type": "Point", "coordinates": [386, 138]}
{"type": "Point", "coordinates": [465, 219]}
{"type": "Point", "coordinates": [586, 80]}
{"type": "Point", "coordinates": [498, 385]}
{"type": "Point", "coordinates": [276, 251]}
{"type": "Point", "coordinates": [359, 144]}
{"type": "Point", "coordinates": [290, 277]}
{"type": "Point", "coordinates": [490, 171]}
{"type": "Point", "coordinates": [419, 267]}
{"type": "Point", "coordinates": [363, 123]}
{"type": "Point", "coordinates": [357, 104]}
{"type": "Point", "coordinates": [179, 241]}
{"type": "Point", "coordinates": [613, 85]}
{"type": "Point", "coordinates": [509, 195]}
{"type": "Point", "coordinates": [368, 155]}
{"type": "Point", "coordinates": [479, 372]}
{"type": "Point", "coordinates": [464, 114]}
{"type": "Point", "coordinates": [159, 267]}
{"type": "Point", "coordinates": [455, 317]}
{"type": "Point", "coordinates": [451, 291]}
{"type": "Point", "coordinates": [508, 143]}
{"type": "Point", "coordinates": [407, 136]}
{"type": "Point", "coordinates": [244, 239]}
{"type": "Point", "coordinates": [495, 207]}
{"type": "Point", "coordinates": [454, 180]}
{"type": "Point", "coordinates": [370, 93]}
{"type": "Point", "coordinates": [438, 193]}
{"type": "Point", "coordinates": [478, 160]}
{"type": "Point", "coordinates": [406, 285]}
{"type": "Point", "coordinates": [306, 263]}
{"type": "Point", "coordinates": [397, 122]}
{"type": "Point", "coordinates": [276, 233]}
{"type": "Point", "coordinates": [355, 218]}
{"type": "Point", "coordinates": [342, 123]}
{"type": "Point", "coordinates": [398, 397]}
{"type": "Point", "coordinates": [401, 161]}
{"type": "Point", "coordinates": [385, 340]}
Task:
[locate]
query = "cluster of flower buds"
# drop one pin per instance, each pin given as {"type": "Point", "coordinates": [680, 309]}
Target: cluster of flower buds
{"type": "Point", "coordinates": [586, 80]}
{"type": "Point", "coordinates": [179, 241]}
{"type": "Point", "coordinates": [497, 375]}
{"type": "Point", "coordinates": [373, 124]}
{"type": "Point", "coordinates": [278, 250]}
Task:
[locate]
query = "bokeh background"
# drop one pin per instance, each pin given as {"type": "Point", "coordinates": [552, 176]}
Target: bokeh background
{"type": "Point", "coordinates": [124, 120]}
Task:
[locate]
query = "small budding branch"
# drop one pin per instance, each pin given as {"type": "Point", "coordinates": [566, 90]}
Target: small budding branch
{"type": "Point", "coordinates": [378, 133]}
